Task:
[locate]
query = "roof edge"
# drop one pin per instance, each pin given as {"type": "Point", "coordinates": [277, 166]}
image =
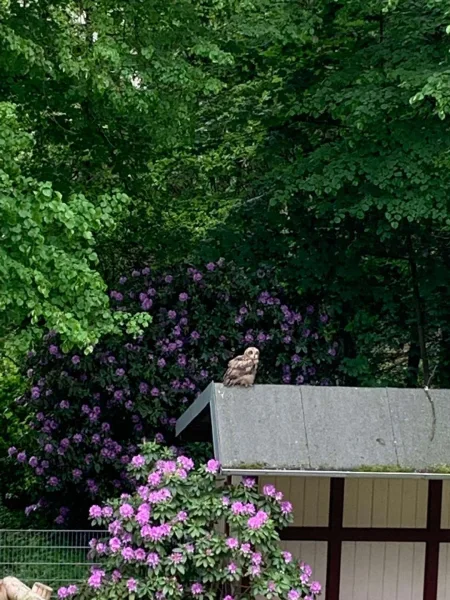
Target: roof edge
{"type": "Point", "coordinates": [194, 410]}
{"type": "Point", "coordinates": [334, 474]}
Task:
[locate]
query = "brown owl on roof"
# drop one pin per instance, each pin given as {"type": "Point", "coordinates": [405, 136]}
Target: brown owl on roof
{"type": "Point", "coordinates": [242, 369]}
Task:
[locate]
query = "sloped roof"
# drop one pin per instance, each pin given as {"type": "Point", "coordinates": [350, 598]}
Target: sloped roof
{"type": "Point", "coordinates": [286, 429]}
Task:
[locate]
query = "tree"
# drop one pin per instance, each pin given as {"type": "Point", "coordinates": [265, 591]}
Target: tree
{"type": "Point", "coordinates": [165, 539]}
{"type": "Point", "coordinates": [330, 139]}
{"type": "Point", "coordinates": [47, 253]}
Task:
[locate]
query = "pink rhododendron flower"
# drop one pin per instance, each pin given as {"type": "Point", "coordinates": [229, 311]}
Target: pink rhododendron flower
{"type": "Point", "coordinates": [95, 512]}
{"type": "Point", "coordinates": [269, 490]}
{"type": "Point", "coordinates": [213, 466]}
{"type": "Point", "coordinates": [286, 508]}
{"type": "Point", "coordinates": [153, 559]}
{"type": "Point", "coordinates": [115, 544]}
{"type": "Point", "coordinates": [258, 520]}
{"type": "Point", "coordinates": [126, 511]}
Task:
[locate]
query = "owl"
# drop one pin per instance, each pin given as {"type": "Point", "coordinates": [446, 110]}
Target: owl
{"type": "Point", "coordinates": [242, 369]}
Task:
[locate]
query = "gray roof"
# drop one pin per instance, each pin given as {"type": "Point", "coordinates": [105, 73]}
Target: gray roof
{"type": "Point", "coordinates": [340, 431]}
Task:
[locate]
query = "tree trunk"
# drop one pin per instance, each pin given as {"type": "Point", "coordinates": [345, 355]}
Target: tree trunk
{"type": "Point", "coordinates": [412, 377]}
{"type": "Point", "coordinates": [418, 306]}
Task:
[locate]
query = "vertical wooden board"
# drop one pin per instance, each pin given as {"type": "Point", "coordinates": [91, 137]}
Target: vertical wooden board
{"type": "Point", "coordinates": [377, 556]}
{"type": "Point", "coordinates": [418, 573]}
{"type": "Point", "coordinates": [323, 511]}
{"type": "Point", "coordinates": [365, 498]}
{"type": "Point", "coordinates": [409, 503]}
{"type": "Point", "coordinates": [347, 570]}
{"type": "Point", "coordinates": [422, 503]}
{"type": "Point", "coordinates": [390, 573]}
{"type": "Point", "coordinates": [394, 515]}
{"type": "Point", "coordinates": [298, 500]}
{"type": "Point", "coordinates": [311, 501]}
{"type": "Point", "coordinates": [445, 517]}
{"type": "Point", "coordinates": [444, 572]}
{"type": "Point", "coordinates": [405, 570]}
{"type": "Point", "coordinates": [380, 502]}
{"type": "Point", "coordinates": [350, 502]}
{"type": "Point", "coordinates": [362, 567]}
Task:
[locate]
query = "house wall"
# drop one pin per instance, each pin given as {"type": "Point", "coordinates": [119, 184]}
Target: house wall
{"type": "Point", "coordinates": [373, 539]}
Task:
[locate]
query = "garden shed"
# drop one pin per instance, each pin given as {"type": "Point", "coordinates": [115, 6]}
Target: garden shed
{"type": "Point", "coordinates": [366, 469]}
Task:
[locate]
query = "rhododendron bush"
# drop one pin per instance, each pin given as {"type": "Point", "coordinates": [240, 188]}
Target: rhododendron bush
{"type": "Point", "coordinates": [180, 534]}
{"type": "Point", "coordinates": [88, 412]}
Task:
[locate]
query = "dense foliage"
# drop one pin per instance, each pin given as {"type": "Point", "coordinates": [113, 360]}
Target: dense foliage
{"type": "Point", "coordinates": [195, 538]}
{"type": "Point", "coordinates": [311, 137]}
{"type": "Point", "coordinates": [318, 128]}
{"type": "Point", "coordinates": [89, 412]}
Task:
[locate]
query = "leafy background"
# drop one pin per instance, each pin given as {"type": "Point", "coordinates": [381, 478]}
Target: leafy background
{"type": "Point", "coordinates": [310, 138]}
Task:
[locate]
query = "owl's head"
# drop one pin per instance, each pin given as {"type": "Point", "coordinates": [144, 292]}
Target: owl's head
{"type": "Point", "coordinates": [252, 353]}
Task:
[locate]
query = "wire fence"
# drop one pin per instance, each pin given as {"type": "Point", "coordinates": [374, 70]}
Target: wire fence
{"type": "Point", "coordinates": [56, 558]}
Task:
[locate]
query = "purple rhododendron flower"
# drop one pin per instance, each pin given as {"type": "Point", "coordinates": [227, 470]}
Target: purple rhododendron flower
{"type": "Point", "coordinates": [196, 589]}
{"type": "Point", "coordinates": [293, 595]}
{"type": "Point", "coordinates": [286, 508]}
{"type": "Point", "coordinates": [213, 466]}
{"type": "Point", "coordinates": [95, 512]}
{"type": "Point", "coordinates": [96, 579]}
{"type": "Point", "coordinates": [126, 511]}
{"type": "Point", "coordinates": [143, 387]}
{"type": "Point", "coordinates": [258, 520]}
{"type": "Point", "coordinates": [140, 554]}
{"type": "Point", "coordinates": [153, 559]}
{"type": "Point", "coordinates": [116, 575]}
{"type": "Point", "coordinates": [315, 587]}
{"type": "Point", "coordinates": [22, 457]}
{"type": "Point", "coordinates": [132, 585]}
{"type": "Point", "coordinates": [269, 490]}
{"type": "Point", "coordinates": [287, 557]}
{"type": "Point", "coordinates": [183, 297]}
{"type": "Point", "coordinates": [128, 553]}
{"type": "Point", "coordinates": [115, 544]}
{"type": "Point", "coordinates": [138, 461]}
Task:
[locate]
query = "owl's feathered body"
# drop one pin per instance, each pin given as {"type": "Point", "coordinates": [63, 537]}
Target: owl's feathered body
{"type": "Point", "coordinates": [242, 369]}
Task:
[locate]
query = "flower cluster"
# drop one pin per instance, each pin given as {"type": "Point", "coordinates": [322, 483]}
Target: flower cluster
{"type": "Point", "coordinates": [191, 556]}
{"type": "Point", "coordinates": [89, 412]}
